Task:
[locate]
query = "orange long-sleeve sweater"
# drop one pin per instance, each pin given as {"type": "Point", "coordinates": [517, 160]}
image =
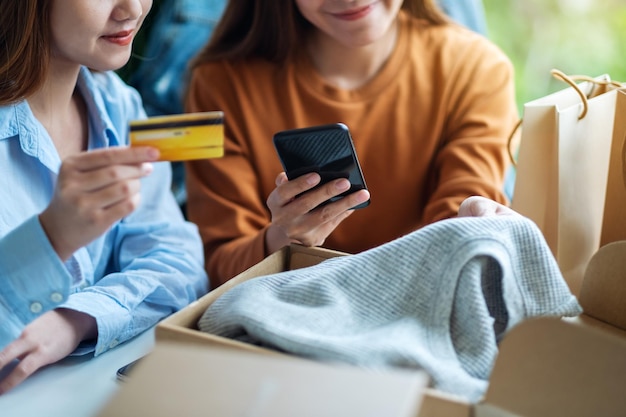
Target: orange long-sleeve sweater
{"type": "Point", "coordinates": [430, 129]}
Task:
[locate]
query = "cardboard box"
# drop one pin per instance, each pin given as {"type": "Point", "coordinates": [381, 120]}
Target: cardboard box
{"type": "Point", "coordinates": [546, 366]}
{"type": "Point", "coordinates": [188, 380]}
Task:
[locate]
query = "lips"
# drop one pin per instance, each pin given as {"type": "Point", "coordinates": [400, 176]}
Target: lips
{"type": "Point", "coordinates": [122, 38]}
{"type": "Point", "coordinates": [354, 14]}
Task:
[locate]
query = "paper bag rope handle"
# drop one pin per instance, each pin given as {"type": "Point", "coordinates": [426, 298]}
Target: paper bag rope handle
{"type": "Point", "coordinates": [571, 80]}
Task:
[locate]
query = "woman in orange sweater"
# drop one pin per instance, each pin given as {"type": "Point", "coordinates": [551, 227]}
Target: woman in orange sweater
{"type": "Point", "coordinates": [429, 104]}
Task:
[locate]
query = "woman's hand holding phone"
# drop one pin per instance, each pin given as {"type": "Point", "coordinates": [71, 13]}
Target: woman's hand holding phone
{"type": "Point", "coordinates": [298, 212]}
{"type": "Point", "coordinates": [321, 186]}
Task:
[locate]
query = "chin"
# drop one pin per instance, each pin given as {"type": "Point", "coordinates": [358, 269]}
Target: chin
{"type": "Point", "coordinates": [109, 65]}
{"type": "Point", "coordinates": [365, 38]}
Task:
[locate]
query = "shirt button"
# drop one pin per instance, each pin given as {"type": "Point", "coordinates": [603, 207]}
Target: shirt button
{"type": "Point", "coordinates": [36, 307]}
{"type": "Point", "coordinates": [56, 297]}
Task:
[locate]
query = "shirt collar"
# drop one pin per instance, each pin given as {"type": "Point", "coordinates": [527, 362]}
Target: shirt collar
{"type": "Point", "coordinates": [100, 122]}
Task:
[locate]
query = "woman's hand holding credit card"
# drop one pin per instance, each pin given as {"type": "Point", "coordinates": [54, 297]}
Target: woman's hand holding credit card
{"type": "Point", "coordinates": [181, 137]}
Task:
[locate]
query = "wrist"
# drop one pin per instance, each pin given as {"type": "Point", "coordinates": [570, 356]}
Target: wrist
{"type": "Point", "coordinates": [84, 325]}
{"type": "Point", "coordinates": [275, 239]}
{"type": "Point", "coordinates": [59, 247]}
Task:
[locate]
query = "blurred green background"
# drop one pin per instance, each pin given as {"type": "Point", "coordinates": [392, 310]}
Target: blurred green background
{"type": "Point", "coordinates": [585, 37]}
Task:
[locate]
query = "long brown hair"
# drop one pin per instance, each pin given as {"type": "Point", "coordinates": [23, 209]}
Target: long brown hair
{"type": "Point", "coordinates": [24, 47]}
{"type": "Point", "coordinates": [271, 29]}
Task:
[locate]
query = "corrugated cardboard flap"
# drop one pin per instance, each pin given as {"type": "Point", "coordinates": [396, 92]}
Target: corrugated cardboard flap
{"type": "Point", "coordinates": [185, 380]}
{"type": "Point", "coordinates": [550, 367]}
{"type": "Point", "coordinates": [603, 292]}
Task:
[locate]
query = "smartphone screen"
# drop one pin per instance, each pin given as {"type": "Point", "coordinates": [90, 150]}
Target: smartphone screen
{"type": "Point", "coordinates": [327, 150]}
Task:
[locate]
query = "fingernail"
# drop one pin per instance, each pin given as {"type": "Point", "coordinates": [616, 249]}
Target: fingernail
{"type": "Point", "coordinates": [146, 167]}
{"type": "Point", "coordinates": [312, 179]}
{"type": "Point", "coordinates": [342, 185]}
{"type": "Point", "coordinates": [153, 153]}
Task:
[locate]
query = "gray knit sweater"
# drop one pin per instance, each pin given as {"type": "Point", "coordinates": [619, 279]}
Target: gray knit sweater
{"type": "Point", "coordinates": [438, 299]}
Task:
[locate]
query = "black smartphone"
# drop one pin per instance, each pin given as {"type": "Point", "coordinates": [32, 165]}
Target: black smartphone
{"type": "Point", "coordinates": [327, 150]}
{"type": "Point", "coordinates": [122, 373]}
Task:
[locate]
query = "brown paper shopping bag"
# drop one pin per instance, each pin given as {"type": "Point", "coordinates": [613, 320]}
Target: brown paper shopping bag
{"type": "Point", "coordinates": [570, 151]}
{"type": "Point", "coordinates": [614, 221]}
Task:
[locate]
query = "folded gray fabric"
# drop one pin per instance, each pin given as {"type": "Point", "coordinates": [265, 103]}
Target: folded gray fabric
{"type": "Point", "coordinates": [438, 299]}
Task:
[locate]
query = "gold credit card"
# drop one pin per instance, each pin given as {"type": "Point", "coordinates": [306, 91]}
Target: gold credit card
{"type": "Point", "coordinates": [181, 137]}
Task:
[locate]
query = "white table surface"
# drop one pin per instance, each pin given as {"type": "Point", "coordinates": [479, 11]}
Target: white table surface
{"type": "Point", "coordinates": [75, 386]}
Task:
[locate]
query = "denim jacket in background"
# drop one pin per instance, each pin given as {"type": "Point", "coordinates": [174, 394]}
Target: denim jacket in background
{"type": "Point", "coordinates": [469, 13]}
{"type": "Point", "coordinates": [178, 32]}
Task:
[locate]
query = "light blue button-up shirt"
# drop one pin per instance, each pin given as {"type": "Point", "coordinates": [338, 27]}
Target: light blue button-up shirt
{"type": "Point", "coordinates": [147, 266]}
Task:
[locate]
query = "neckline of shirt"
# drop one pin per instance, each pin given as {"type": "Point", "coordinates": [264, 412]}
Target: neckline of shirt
{"type": "Point", "coordinates": [307, 76]}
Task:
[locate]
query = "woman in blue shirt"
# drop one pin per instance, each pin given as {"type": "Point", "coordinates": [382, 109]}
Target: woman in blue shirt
{"type": "Point", "coordinates": [93, 247]}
